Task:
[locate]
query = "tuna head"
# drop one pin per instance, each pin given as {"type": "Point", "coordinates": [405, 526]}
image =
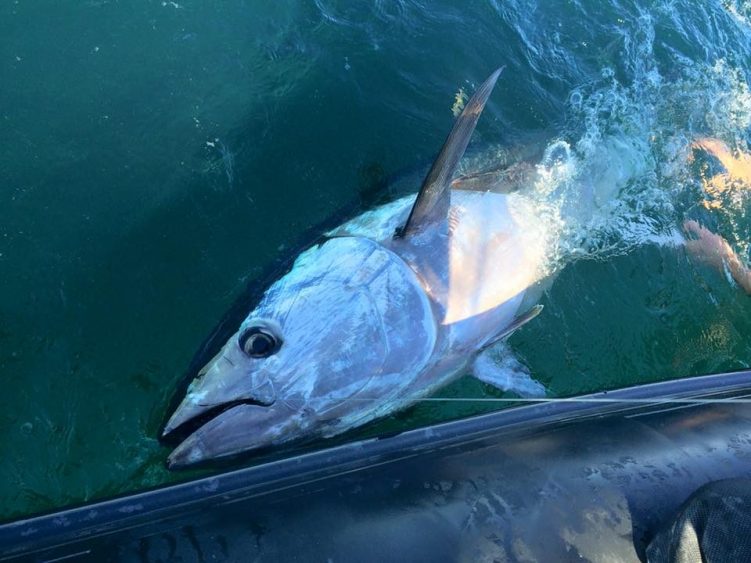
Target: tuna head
{"type": "Point", "coordinates": [330, 346]}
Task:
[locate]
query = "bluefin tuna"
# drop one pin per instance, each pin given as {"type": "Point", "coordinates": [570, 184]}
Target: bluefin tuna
{"type": "Point", "coordinates": [392, 306]}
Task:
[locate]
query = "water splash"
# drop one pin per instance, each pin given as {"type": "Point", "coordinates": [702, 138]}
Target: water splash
{"type": "Point", "coordinates": [620, 173]}
{"type": "Point", "coordinates": [740, 10]}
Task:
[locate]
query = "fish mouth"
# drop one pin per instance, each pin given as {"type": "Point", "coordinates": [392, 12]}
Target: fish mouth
{"type": "Point", "coordinates": [231, 429]}
{"type": "Point", "coordinates": [175, 434]}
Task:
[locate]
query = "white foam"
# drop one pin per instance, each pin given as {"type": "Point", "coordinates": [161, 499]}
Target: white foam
{"type": "Point", "coordinates": [620, 176]}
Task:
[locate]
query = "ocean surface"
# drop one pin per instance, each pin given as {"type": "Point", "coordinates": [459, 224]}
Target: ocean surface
{"type": "Point", "coordinates": [158, 157]}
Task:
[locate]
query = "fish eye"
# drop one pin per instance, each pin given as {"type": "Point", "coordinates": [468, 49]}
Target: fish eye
{"type": "Point", "coordinates": [258, 342]}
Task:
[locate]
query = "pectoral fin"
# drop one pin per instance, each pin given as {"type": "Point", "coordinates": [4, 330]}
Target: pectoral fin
{"type": "Point", "coordinates": [515, 324]}
{"type": "Point", "coordinates": [499, 181]}
{"type": "Point", "coordinates": [498, 367]}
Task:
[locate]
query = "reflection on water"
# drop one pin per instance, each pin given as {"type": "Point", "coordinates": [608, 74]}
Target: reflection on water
{"type": "Point", "coordinates": [159, 156]}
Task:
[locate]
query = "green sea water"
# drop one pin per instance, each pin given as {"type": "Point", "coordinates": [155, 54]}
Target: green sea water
{"type": "Point", "coordinates": [157, 157]}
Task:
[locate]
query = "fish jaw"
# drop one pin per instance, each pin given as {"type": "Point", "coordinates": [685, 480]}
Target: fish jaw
{"type": "Point", "coordinates": [240, 428]}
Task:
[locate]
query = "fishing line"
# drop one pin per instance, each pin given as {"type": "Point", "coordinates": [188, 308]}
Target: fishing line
{"type": "Point", "coordinates": [604, 400]}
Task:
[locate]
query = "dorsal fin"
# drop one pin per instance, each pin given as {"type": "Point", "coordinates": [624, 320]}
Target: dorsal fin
{"type": "Point", "coordinates": [433, 201]}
